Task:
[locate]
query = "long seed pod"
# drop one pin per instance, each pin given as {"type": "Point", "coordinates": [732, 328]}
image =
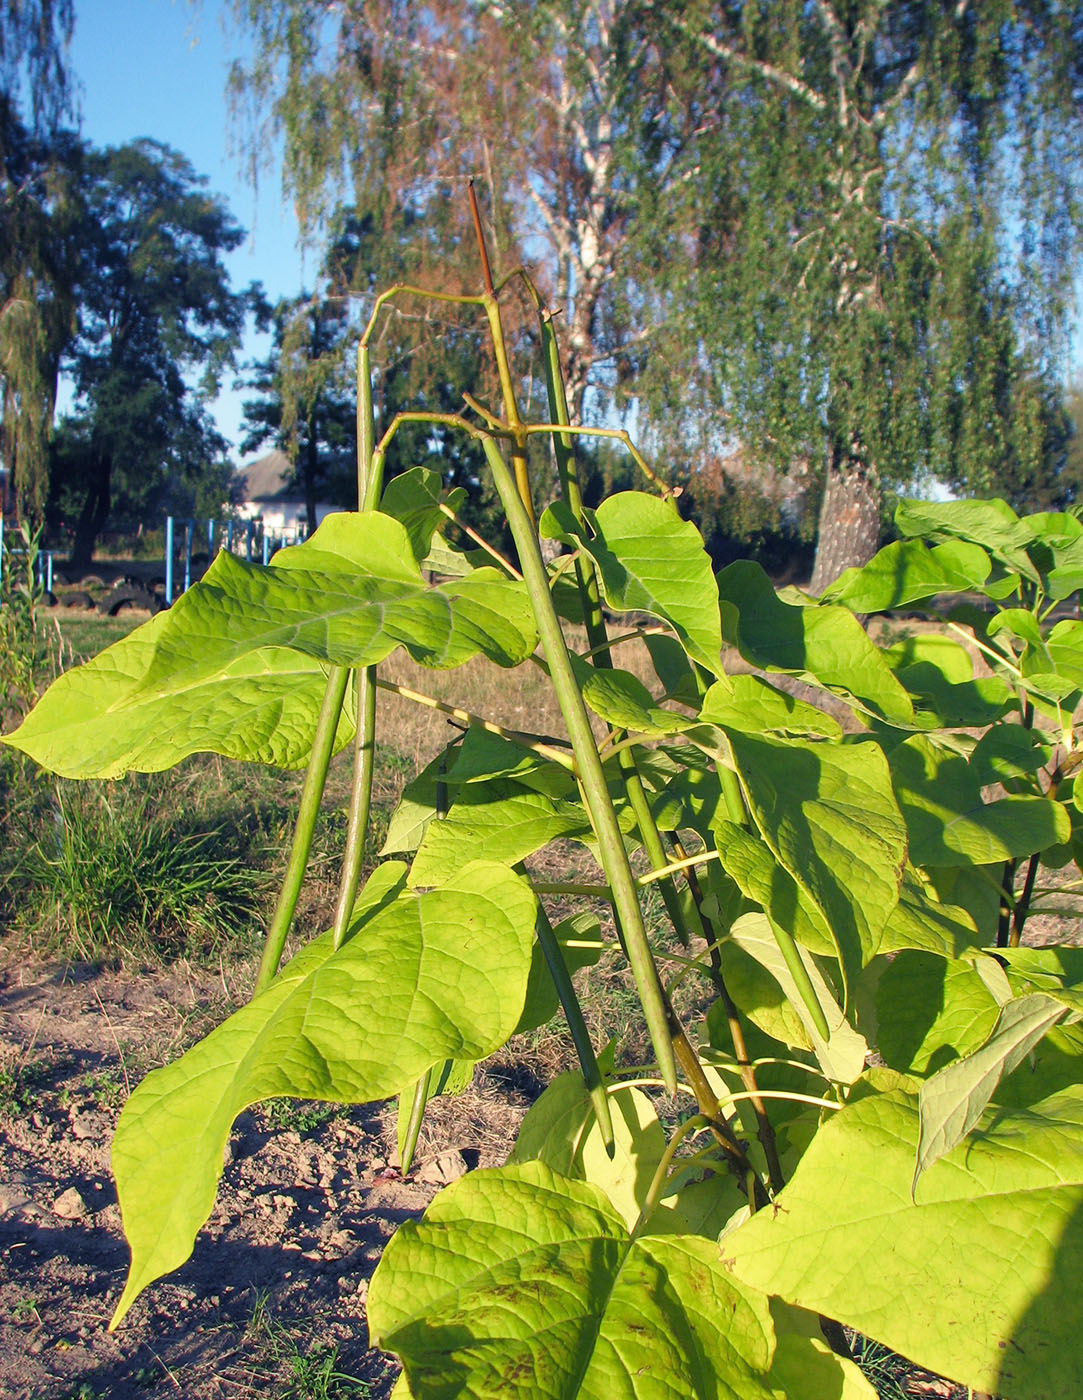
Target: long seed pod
{"type": "Point", "coordinates": [589, 764]}
{"type": "Point", "coordinates": [311, 794]}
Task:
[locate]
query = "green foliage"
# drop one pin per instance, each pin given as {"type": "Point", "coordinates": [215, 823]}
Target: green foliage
{"type": "Point", "coordinates": [93, 871]}
{"type": "Point", "coordinates": [845, 872]}
{"type": "Point", "coordinates": [150, 239]}
{"type": "Point", "coordinates": [305, 404]}
{"type": "Point", "coordinates": [878, 220]}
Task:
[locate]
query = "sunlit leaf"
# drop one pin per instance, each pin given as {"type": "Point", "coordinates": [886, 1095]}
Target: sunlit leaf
{"type": "Point", "coordinates": [422, 979]}
{"type": "Point", "coordinates": [976, 1280]}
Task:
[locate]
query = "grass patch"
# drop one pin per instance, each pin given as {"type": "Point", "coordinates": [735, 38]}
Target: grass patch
{"type": "Point", "coordinates": [106, 868]}
{"type": "Point", "coordinates": [307, 1372]}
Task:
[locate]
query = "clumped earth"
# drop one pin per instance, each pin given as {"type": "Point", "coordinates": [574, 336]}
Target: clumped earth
{"type": "Point", "coordinates": [272, 1302]}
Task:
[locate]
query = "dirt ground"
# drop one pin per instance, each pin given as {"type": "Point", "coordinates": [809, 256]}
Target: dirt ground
{"type": "Point", "coordinates": [272, 1303]}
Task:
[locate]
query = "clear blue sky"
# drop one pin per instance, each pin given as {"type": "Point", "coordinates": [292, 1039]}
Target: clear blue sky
{"type": "Point", "coordinates": [158, 68]}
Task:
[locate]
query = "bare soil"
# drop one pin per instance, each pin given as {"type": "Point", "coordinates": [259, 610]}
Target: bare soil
{"type": "Point", "coordinates": [272, 1302]}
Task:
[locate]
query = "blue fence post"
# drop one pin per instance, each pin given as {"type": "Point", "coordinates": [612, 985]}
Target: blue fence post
{"type": "Point", "coordinates": [168, 559]}
{"type": "Point", "coordinates": [189, 527]}
{"type": "Point", "coordinates": [210, 539]}
{"type": "Point", "coordinates": [266, 546]}
{"type": "Point", "coordinates": [229, 535]}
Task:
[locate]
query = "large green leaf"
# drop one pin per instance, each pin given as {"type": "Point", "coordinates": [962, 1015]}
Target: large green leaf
{"type": "Point", "coordinates": [828, 814]}
{"type": "Point", "coordinates": [650, 560]}
{"type": "Point", "coordinates": [415, 497]}
{"type": "Point", "coordinates": [96, 722]}
{"type": "Point", "coordinates": [976, 1280]}
{"type": "Point", "coordinates": [483, 756]}
{"type": "Point", "coordinates": [824, 645]}
{"type": "Point", "coordinates": [235, 665]}
{"type": "Point", "coordinates": [939, 673]}
{"type": "Point", "coordinates": [421, 980]}
{"type": "Point", "coordinates": [496, 821]}
{"type": "Point", "coordinates": [990, 523]}
{"type": "Point", "coordinates": [622, 700]}
{"type": "Point", "coordinates": [920, 921]}
{"type": "Point", "coordinates": [351, 595]}
{"type": "Point", "coordinates": [749, 702]}
{"type": "Point", "coordinates": [755, 869]}
{"type": "Point", "coordinates": [954, 1099]}
{"type": "Point", "coordinates": [908, 571]}
{"type": "Point", "coordinates": [930, 1010]}
{"type": "Point", "coordinates": [520, 1282]}
{"type": "Point", "coordinates": [1056, 971]}
{"type": "Point", "coordinates": [949, 821]}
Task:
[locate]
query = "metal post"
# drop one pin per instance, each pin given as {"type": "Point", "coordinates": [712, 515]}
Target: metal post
{"type": "Point", "coordinates": [189, 527]}
{"type": "Point", "coordinates": [229, 535]}
{"type": "Point", "coordinates": [266, 544]}
{"type": "Point", "coordinates": [168, 560]}
{"type": "Point", "coordinates": [210, 539]}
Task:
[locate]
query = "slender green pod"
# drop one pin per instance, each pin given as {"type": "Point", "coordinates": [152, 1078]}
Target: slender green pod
{"type": "Point", "coordinates": [323, 745]}
{"type": "Point", "coordinates": [369, 483]}
{"type": "Point", "coordinates": [589, 764]}
{"type": "Point", "coordinates": [413, 1127]}
{"type": "Point", "coordinates": [584, 1048]}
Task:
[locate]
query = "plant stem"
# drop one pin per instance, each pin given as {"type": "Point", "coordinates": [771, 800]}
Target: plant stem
{"type": "Point", "coordinates": [591, 773]}
{"type": "Point", "coordinates": [413, 1127]}
{"type": "Point", "coordinates": [765, 1131]}
{"type": "Point", "coordinates": [1022, 904]}
{"type": "Point", "coordinates": [360, 802]}
{"type": "Point", "coordinates": [696, 1124]}
{"type": "Point", "coordinates": [323, 744]}
{"type": "Point", "coordinates": [573, 1012]}
{"type": "Point", "coordinates": [369, 485]}
{"type": "Point", "coordinates": [503, 368]}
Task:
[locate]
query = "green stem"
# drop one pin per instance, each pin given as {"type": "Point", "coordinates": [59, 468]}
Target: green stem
{"type": "Point", "coordinates": [323, 744]}
{"type": "Point", "coordinates": [591, 773]}
{"type": "Point", "coordinates": [413, 1127]}
{"type": "Point", "coordinates": [369, 486]}
{"type": "Point", "coordinates": [764, 1128]}
{"type": "Point", "coordinates": [696, 1124]}
{"type": "Point", "coordinates": [799, 972]}
{"type": "Point", "coordinates": [652, 843]}
{"type": "Point", "coordinates": [360, 802]}
{"type": "Point", "coordinates": [584, 1048]}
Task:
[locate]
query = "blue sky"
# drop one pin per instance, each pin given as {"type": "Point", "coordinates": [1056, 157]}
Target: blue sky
{"type": "Point", "coordinates": [158, 68]}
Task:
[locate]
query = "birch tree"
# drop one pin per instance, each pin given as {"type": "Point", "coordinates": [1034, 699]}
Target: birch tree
{"type": "Point", "coordinates": [890, 292]}
{"type": "Point", "coordinates": [393, 105]}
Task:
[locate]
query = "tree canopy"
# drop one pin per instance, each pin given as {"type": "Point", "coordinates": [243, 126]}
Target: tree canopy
{"type": "Point", "coordinates": [157, 324]}
{"type": "Point", "coordinates": [835, 234]}
{"type": "Point", "coordinates": [887, 290]}
{"type": "Point", "coordinates": [35, 226]}
{"type": "Point", "coordinates": [305, 398]}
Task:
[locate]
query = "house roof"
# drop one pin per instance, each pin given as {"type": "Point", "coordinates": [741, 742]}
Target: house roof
{"type": "Point", "coordinates": [268, 478]}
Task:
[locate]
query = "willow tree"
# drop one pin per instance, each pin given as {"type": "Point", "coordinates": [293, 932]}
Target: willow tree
{"type": "Point", "coordinates": [35, 233]}
{"type": "Point", "coordinates": [888, 289]}
{"type": "Point", "coordinates": [392, 105]}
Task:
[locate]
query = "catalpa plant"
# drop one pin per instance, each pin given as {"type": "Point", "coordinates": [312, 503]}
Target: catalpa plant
{"type": "Point", "coordinates": [881, 1116]}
